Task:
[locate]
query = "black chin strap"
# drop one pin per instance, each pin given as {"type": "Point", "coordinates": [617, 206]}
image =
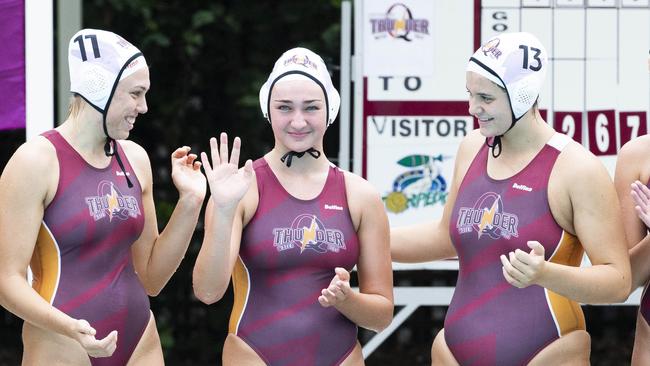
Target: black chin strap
{"type": "Point", "coordinates": [108, 149]}
{"type": "Point", "coordinates": [113, 151]}
{"type": "Point", "coordinates": [496, 143]}
{"type": "Point", "coordinates": [286, 158]}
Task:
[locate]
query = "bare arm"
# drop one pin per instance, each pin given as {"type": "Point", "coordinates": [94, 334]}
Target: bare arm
{"type": "Point", "coordinates": [629, 170]}
{"type": "Point", "coordinates": [219, 251]}
{"type": "Point", "coordinates": [372, 306]}
{"type": "Point", "coordinates": [157, 256]}
{"type": "Point", "coordinates": [223, 220]}
{"type": "Point", "coordinates": [21, 215]}
{"type": "Point", "coordinates": [585, 194]}
{"type": "Point", "coordinates": [426, 241]}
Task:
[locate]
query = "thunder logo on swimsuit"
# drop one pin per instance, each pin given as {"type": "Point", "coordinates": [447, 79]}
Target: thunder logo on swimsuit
{"type": "Point", "coordinates": [112, 203]}
{"type": "Point", "coordinates": [488, 217]}
{"type": "Point", "coordinates": [308, 232]}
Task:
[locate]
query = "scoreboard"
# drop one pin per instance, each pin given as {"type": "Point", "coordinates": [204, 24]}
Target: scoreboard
{"type": "Point", "coordinates": [597, 88]}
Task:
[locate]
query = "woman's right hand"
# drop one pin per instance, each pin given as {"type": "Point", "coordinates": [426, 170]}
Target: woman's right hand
{"type": "Point", "coordinates": [85, 335]}
{"type": "Point", "coordinates": [227, 182]}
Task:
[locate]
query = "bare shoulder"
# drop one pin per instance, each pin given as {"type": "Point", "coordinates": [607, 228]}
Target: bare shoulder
{"type": "Point", "coordinates": [636, 150]}
{"type": "Point", "coordinates": [473, 140]}
{"type": "Point", "coordinates": [364, 202]}
{"type": "Point", "coordinates": [579, 164]}
{"type": "Point", "coordinates": [632, 162]}
{"type": "Point", "coordinates": [359, 188]}
{"type": "Point", "coordinates": [467, 150]}
{"type": "Point", "coordinates": [579, 175]}
{"type": "Point", "coordinates": [35, 157]}
{"type": "Point", "coordinates": [136, 153]}
{"type": "Point", "coordinates": [38, 152]}
{"type": "Point", "coordinates": [139, 160]}
{"type": "Point", "coordinates": [34, 162]}
{"type": "Point", "coordinates": [577, 179]}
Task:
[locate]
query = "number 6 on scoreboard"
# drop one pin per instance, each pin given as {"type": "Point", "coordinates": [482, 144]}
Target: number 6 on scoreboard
{"type": "Point", "coordinates": [601, 128]}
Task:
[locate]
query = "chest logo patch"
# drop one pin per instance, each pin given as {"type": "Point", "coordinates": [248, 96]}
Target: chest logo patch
{"type": "Point", "coordinates": [110, 202]}
{"type": "Point", "coordinates": [307, 232]}
{"type": "Point", "coordinates": [488, 217]}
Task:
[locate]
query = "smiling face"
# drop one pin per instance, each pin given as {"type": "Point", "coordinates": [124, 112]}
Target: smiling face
{"type": "Point", "coordinates": [128, 102]}
{"type": "Point", "coordinates": [298, 112]}
{"type": "Point", "coordinates": [489, 104]}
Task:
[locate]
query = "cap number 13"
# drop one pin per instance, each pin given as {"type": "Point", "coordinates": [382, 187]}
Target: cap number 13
{"type": "Point", "coordinates": [82, 47]}
{"type": "Point", "coordinates": [537, 51]}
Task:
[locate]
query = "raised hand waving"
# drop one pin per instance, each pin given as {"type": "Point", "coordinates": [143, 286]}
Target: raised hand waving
{"type": "Point", "coordinates": [227, 182]}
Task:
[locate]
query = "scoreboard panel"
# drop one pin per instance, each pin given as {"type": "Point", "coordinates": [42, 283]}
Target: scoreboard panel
{"type": "Point", "coordinates": [597, 89]}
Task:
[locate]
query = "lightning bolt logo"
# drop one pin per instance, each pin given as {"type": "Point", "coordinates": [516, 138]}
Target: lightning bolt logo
{"type": "Point", "coordinates": [308, 235]}
{"type": "Point", "coordinates": [488, 217]}
{"type": "Point", "coordinates": [112, 203]}
{"type": "Point", "coordinates": [400, 24]}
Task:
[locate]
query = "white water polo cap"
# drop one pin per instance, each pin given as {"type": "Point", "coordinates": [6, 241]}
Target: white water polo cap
{"type": "Point", "coordinates": [299, 63]}
{"type": "Point", "coordinates": [97, 61]}
{"type": "Point", "coordinates": [516, 62]}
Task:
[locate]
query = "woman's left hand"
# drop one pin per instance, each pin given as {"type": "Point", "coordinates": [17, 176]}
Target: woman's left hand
{"type": "Point", "coordinates": [523, 269]}
{"type": "Point", "coordinates": [338, 290]}
{"type": "Point", "coordinates": [641, 197]}
{"type": "Point", "coordinates": [186, 173]}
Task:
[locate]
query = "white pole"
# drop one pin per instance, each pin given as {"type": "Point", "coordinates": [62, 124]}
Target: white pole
{"type": "Point", "coordinates": [39, 67]}
{"type": "Point", "coordinates": [68, 15]}
{"type": "Point", "coordinates": [357, 77]}
{"type": "Point", "coordinates": [346, 55]}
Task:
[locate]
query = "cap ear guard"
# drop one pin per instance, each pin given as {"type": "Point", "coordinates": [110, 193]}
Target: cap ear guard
{"type": "Point", "coordinates": [301, 61]}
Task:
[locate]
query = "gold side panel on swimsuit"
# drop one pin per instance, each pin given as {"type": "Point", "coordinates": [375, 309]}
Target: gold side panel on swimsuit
{"type": "Point", "coordinates": [567, 313]}
{"type": "Point", "coordinates": [240, 288]}
{"type": "Point", "coordinates": [45, 264]}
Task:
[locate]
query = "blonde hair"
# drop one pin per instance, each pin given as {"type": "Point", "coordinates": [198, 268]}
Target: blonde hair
{"type": "Point", "coordinates": [76, 105]}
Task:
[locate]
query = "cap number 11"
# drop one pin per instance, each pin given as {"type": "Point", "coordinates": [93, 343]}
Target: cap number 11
{"type": "Point", "coordinates": [82, 47]}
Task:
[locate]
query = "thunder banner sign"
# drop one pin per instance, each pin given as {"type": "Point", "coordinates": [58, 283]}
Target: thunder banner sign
{"type": "Point", "coordinates": [12, 64]}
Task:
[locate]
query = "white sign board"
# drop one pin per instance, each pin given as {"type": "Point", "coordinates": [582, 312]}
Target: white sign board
{"type": "Point", "coordinates": [415, 109]}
